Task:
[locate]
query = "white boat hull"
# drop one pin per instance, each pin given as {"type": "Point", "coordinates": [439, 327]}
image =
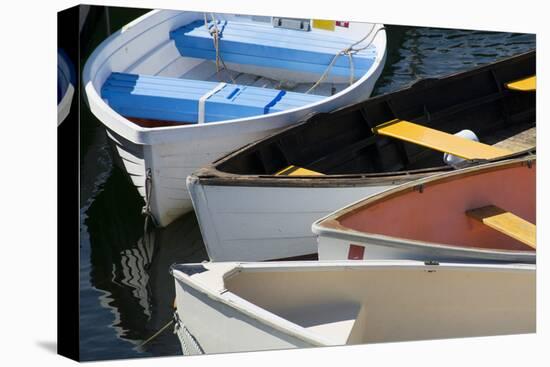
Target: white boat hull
{"type": "Point", "coordinates": [172, 153]}
{"type": "Point", "coordinates": [202, 319]}
{"type": "Point", "coordinates": [331, 247]}
{"type": "Point", "coordinates": [257, 223]}
{"type": "Point", "coordinates": [229, 307]}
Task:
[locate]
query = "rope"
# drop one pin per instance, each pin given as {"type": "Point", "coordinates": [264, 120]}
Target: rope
{"type": "Point", "coordinates": [349, 51]}
{"type": "Point", "coordinates": [351, 69]}
{"type": "Point", "coordinates": [215, 33]}
{"type": "Point", "coordinates": [157, 333]}
{"type": "Point", "coordinates": [146, 210]}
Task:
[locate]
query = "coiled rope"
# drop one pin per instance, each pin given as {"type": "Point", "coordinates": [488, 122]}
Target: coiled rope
{"type": "Point", "coordinates": [348, 51]}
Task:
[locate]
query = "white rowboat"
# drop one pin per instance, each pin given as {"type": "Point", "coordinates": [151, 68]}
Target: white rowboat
{"type": "Point", "coordinates": [172, 100]}
{"type": "Point", "coordinates": [238, 307]}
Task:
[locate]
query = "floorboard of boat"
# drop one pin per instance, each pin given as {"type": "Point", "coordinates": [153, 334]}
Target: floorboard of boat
{"type": "Point", "coordinates": [521, 141]}
{"type": "Point", "coordinates": [207, 71]}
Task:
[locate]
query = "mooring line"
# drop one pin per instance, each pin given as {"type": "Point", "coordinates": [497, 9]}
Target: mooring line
{"type": "Point", "coordinates": [157, 333]}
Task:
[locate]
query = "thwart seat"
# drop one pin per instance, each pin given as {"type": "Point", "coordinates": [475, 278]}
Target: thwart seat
{"type": "Point", "coordinates": [438, 140]}
{"type": "Point", "coordinates": [507, 223]}
{"type": "Point", "coordinates": [190, 101]}
{"type": "Point", "coordinates": [297, 171]}
{"type": "Point", "coordinates": [263, 45]}
{"type": "Point", "coordinates": [524, 85]}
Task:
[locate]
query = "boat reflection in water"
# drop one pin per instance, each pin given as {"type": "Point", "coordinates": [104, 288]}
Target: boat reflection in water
{"type": "Point", "coordinates": [132, 271]}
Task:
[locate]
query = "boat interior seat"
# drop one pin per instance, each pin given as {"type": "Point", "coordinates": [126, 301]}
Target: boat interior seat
{"type": "Point", "coordinates": [194, 101]}
{"type": "Point", "coordinates": [438, 140]}
{"type": "Point", "coordinates": [528, 84]}
{"type": "Point", "coordinates": [332, 321]}
{"type": "Point", "coordinates": [261, 44]}
{"type": "Point", "coordinates": [506, 223]}
{"type": "Point", "coordinates": [297, 171]}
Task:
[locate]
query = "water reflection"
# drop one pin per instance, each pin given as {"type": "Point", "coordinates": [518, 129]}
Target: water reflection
{"type": "Point", "coordinates": [130, 269]}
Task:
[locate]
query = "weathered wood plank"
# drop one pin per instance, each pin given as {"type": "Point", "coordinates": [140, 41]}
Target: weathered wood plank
{"type": "Point", "coordinates": [524, 140]}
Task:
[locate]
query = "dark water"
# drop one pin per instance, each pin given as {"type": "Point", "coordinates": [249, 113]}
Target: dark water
{"type": "Point", "coordinates": [126, 291]}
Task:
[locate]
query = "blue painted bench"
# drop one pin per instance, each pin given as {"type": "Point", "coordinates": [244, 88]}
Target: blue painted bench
{"type": "Point", "coordinates": [264, 45]}
{"type": "Point", "coordinates": [173, 99]}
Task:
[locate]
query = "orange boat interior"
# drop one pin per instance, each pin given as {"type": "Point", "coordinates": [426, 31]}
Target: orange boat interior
{"type": "Point", "coordinates": [436, 213]}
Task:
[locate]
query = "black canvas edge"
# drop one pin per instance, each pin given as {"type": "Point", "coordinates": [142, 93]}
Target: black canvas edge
{"type": "Point", "coordinates": [68, 207]}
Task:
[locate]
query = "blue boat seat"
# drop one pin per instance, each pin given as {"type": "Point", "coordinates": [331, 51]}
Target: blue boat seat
{"type": "Point", "coordinates": [262, 44]}
{"type": "Point", "coordinates": [173, 99]}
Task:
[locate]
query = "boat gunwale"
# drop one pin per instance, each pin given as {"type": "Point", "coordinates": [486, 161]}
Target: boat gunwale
{"type": "Point", "coordinates": [331, 224]}
{"type": "Point", "coordinates": [264, 316]}
{"type": "Point", "coordinates": [210, 176]}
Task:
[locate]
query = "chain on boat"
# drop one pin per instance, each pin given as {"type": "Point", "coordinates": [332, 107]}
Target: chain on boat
{"type": "Point", "coordinates": [189, 344]}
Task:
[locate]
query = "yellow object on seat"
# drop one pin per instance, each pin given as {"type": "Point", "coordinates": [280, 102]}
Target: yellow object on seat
{"type": "Point", "coordinates": [328, 25]}
{"type": "Point", "coordinates": [524, 85]}
{"type": "Point", "coordinates": [297, 171]}
{"type": "Point", "coordinates": [507, 223]}
{"type": "Point", "coordinates": [438, 140]}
